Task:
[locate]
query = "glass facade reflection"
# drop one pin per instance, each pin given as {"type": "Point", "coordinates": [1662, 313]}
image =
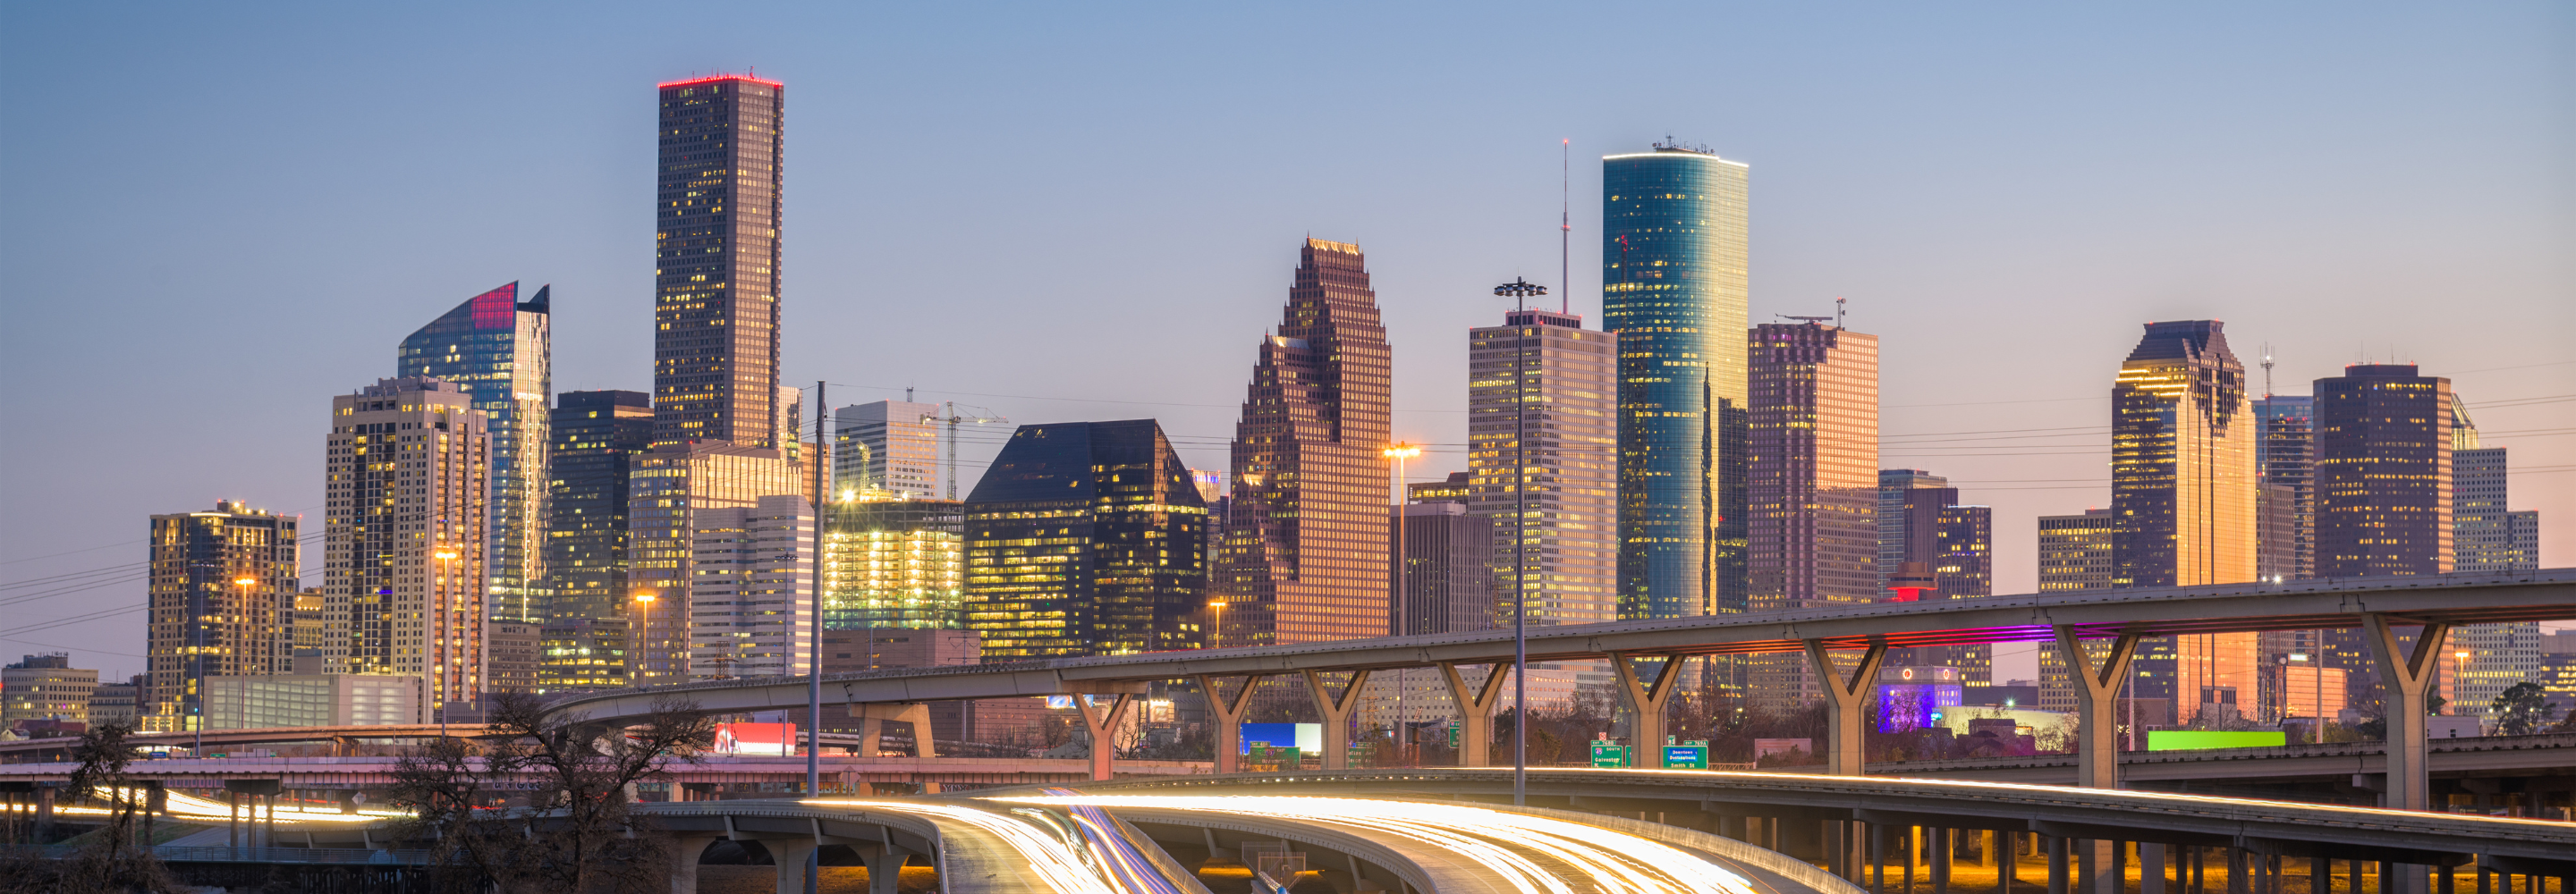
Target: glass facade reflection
{"type": "Point", "coordinates": [1084, 538]}
{"type": "Point", "coordinates": [2183, 488]}
{"type": "Point", "coordinates": [498, 349]}
{"type": "Point", "coordinates": [1673, 256]}
{"type": "Point", "coordinates": [594, 433]}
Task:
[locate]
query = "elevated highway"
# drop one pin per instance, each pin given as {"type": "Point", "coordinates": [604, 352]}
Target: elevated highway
{"type": "Point", "coordinates": [2485, 765]}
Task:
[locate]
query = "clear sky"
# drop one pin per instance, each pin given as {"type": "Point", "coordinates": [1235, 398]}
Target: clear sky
{"type": "Point", "coordinates": [223, 214]}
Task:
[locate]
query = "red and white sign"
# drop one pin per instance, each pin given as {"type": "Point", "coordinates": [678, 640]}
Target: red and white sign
{"type": "Point", "coordinates": [756, 738]}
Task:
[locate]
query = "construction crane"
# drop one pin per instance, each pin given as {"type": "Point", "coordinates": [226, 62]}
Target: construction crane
{"type": "Point", "coordinates": [953, 419]}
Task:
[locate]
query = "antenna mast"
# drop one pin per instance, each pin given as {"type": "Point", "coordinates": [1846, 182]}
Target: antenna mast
{"type": "Point", "coordinates": [2267, 369]}
{"type": "Point", "coordinates": [1565, 228]}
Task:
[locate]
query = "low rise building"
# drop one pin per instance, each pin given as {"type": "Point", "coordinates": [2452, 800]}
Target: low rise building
{"type": "Point", "coordinates": [45, 687]}
{"type": "Point", "coordinates": [269, 701]}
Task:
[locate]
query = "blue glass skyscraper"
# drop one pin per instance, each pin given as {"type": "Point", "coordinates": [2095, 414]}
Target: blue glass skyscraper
{"type": "Point", "coordinates": [1673, 231]}
{"type": "Point", "coordinates": [498, 349]}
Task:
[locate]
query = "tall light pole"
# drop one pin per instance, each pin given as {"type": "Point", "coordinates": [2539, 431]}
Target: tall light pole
{"type": "Point", "coordinates": [1400, 451]}
{"type": "Point", "coordinates": [643, 638]}
{"type": "Point", "coordinates": [446, 557]}
{"type": "Point", "coordinates": [1520, 291]}
{"type": "Point", "coordinates": [1216, 624]}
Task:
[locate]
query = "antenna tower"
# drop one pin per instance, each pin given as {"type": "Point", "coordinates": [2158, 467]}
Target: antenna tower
{"type": "Point", "coordinates": [2267, 369]}
{"type": "Point", "coordinates": [1565, 228]}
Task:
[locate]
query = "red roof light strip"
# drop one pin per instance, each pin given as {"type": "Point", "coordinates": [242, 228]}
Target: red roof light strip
{"type": "Point", "coordinates": [714, 78]}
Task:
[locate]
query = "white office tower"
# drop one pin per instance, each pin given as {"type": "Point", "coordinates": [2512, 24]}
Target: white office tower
{"type": "Point", "coordinates": [2488, 538]}
{"type": "Point", "coordinates": [890, 445]}
{"type": "Point", "coordinates": [751, 596]}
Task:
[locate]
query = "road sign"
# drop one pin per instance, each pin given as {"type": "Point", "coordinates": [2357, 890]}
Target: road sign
{"type": "Point", "coordinates": [1606, 754]}
{"type": "Point", "coordinates": [1453, 735]}
{"type": "Point", "coordinates": [1686, 757]}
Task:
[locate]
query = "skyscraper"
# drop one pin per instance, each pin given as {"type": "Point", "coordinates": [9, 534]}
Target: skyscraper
{"type": "Point", "coordinates": [222, 590]}
{"type": "Point", "coordinates": [894, 563]}
{"type": "Point", "coordinates": [1567, 515]}
{"type": "Point", "coordinates": [1895, 526]}
{"type": "Point", "coordinates": [666, 487]}
{"type": "Point", "coordinates": [716, 251]}
{"type": "Point", "coordinates": [1811, 485]}
{"type": "Point", "coordinates": [1674, 287]}
{"type": "Point", "coordinates": [407, 489]}
{"type": "Point", "coordinates": [1305, 556]}
{"type": "Point", "coordinates": [596, 434]}
{"type": "Point", "coordinates": [2074, 557]}
{"type": "Point", "coordinates": [1963, 568]}
{"type": "Point", "coordinates": [1446, 556]}
{"type": "Point", "coordinates": [2489, 538]}
{"type": "Point", "coordinates": [888, 445]}
{"type": "Point", "coordinates": [1083, 538]}
{"type": "Point", "coordinates": [499, 350]}
{"type": "Point", "coordinates": [751, 589]}
{"type": "Point", "coordinates": [2284, 458]}
{"type": "Point", "coordinates": [2383, 472]}
{"type": "Point", "coordinates": [2183, 491]}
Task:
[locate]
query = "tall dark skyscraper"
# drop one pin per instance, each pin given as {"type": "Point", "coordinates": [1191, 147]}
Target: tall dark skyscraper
{"type": "Point", "coordinates": [222, 589]}
{"type": "Point", "coordinates": [595, 434]}
{"type": "Point", "coordinates": [716, 253]}
{"type": "Point", "coordinates": [1448, 565]}
{"type": "Point", "coordinates": [1305, 556]}
{"type": "Point", "coordinates": [1674, 286]}
{"type": "Point", "coordinates": [499, 350]}
{"type": "Point", "coordinates": [2383, 472]}
{"type": "Point", "coordinates": [1084, 538]}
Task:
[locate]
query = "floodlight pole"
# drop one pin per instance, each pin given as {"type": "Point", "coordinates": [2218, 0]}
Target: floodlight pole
{"type": "Point", "coordinates": [1520, 291]}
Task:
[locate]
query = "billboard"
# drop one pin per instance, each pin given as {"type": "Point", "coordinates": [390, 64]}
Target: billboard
{"type": "Point", "coordinates": [756, 738]}
{"type": "Point", "coordinates": [1307, 738]}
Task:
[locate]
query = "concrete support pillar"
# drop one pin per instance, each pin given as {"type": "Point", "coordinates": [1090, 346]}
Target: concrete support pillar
{"type": "Point", "coordinates": [1336, 711]}
{"type": "Point", "coordinates": [1845, 755]}
{"type": "Point", "coordinates": [872, 720]}
{"type": "Point", "coordinates": [1475, 713]}
{"type": "Point", "coordinates": [2151, 868]}
{"type": "Point", "coordinates": [2407, 677]}
{"type": "Point", "coordinates": [2057, 882]}
{"type": "Point", "coordinates": [685, 850]}
{"type": "Point", "coordinates": [232, 819]}
{"type": "Point", "coordinates": [1228, 713]}
{"type": "Point", "coordinates": [791, 855]}
{"type": "Point", "coordinates": [2097, 699]}
{"type": "Point", "coordinates": [1646, 701]}
{"type": "Point", "coordinates": [1102, 720]}
{"type": "Point", "coordinates": [1940, 853]}
{"type": "Point", "coordinates": [885, 865]}
{"type": "Point", "coordinates": [156, 801]}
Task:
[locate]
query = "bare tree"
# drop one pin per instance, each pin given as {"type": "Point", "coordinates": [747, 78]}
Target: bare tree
{"type": "Point", "coordinates": [576, 832]}
{"type": "Point", "coordinates": [112, 861]}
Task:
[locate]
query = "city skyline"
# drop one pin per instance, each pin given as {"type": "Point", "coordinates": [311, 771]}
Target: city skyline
{"type": "Point", "coordinates": [1456, 300]}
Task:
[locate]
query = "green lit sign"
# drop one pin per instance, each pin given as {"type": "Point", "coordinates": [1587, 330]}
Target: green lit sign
{"type": "Point", "coordinates": [2192, 739]}
{"type": "Point", "coordinates": [1609, 755]}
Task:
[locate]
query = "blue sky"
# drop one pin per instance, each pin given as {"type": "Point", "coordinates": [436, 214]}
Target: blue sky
{"type": "Point", "coordinates": [222, 215]}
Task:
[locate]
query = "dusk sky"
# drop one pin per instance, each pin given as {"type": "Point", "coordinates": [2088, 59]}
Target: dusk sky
{"type": "Point", "coordinates": [228, 213]}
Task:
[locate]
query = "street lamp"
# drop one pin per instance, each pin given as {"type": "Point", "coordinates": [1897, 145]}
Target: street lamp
{"type": "Point", "coordinates": [1217, 626]}
{"type": "Point", "coordinates": [1520, 291]}
{"type": "Point", "coordinates": [643, 636]}
{"type": "Point", "coordinates": [1401, 451]}
{"type": "Point", "coordinates": [446, 556]}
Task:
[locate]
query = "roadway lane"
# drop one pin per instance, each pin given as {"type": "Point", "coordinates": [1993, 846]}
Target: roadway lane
{"type": "Point", "coordinates": [1476, 849]}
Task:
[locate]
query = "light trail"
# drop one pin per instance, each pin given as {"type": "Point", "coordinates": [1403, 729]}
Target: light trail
{"type": "Point", "coordinates": [1052, 858]}
{"type": "Point", "coordinates": [1499, 841]}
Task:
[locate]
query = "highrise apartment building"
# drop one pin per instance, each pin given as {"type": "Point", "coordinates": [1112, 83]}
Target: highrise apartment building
{"type": "Point", "coordinates": [751, 589]}
{"type": "Point", "coordinates": [666, 487]}
{"type": "Point", "coordinates": [894, 563]}
{"type": "Point", "coordinates": [1305, 556]}
{"type": "Point", "coordinates": [716, 260]}
{"type": "Point", "coordinates": [2183, 488]}
{"type": "Point", "coordinates": [890, 445]}
{"type": "Point", "coordinates": [1811, 486]}
{"type": "Point", "coordinates": [498, 350]}
{"type": "Point", "coordinates": [2284, 457]}
{"type": "Point", "coordinates": [407, 488]}
{"type": "Point", "coordinates": [1084, 538]}
{"type": "Point", "coordinates": [596, 435]}
{"type": "Point", "coordinates": [222, 590]}
{"type": "Point", "coordinates": [1565, 512]}
{"type": "Point", "coordinates": [1674, 287]}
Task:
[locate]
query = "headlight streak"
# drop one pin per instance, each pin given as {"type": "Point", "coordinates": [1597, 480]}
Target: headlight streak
{"type": "Point", "coordinates": [190, 808]}
{"type": "Point", "coordinates": [1049, 858]}
{"type": "Point", "coordinates": [1615, 862]}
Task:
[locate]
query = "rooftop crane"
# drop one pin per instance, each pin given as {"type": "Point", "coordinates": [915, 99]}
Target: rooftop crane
{"type": "Point", "coordinates": [953, 419]}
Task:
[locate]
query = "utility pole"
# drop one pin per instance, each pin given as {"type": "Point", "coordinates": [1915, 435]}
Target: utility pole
{"type": "Point", "coordinates": [1520, 291]}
